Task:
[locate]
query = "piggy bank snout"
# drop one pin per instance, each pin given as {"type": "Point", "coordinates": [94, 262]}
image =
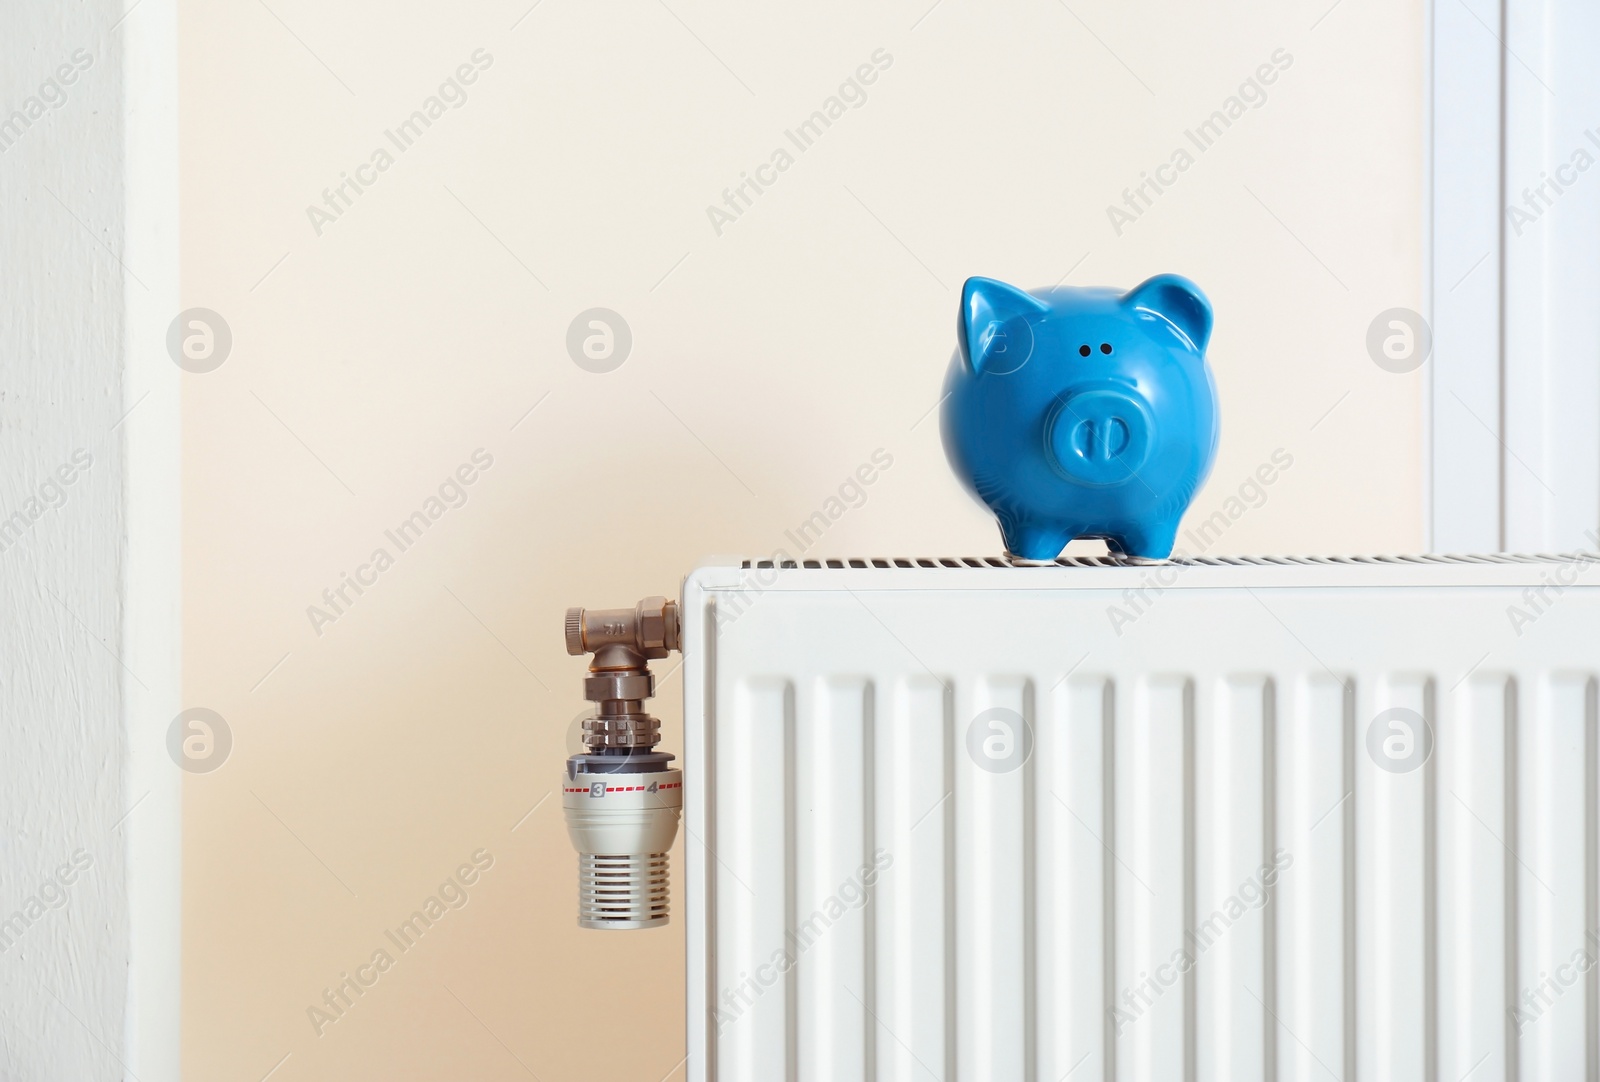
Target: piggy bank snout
{"type": "Point", "coordinates": [1100, 436]}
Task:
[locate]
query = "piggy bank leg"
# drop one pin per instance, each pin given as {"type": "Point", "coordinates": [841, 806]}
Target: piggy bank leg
{"type": "Point", "coordinates": [1153, 541]}
{"type": "Point", "coordinates": [1032, 540]}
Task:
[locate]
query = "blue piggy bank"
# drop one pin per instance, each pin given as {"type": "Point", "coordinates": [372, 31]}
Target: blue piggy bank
{"type": "Point", "coordinates": [1083, 412]}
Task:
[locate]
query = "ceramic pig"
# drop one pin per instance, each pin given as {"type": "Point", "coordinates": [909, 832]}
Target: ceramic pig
{"type": "Point", "coordinates": [1078, 412]}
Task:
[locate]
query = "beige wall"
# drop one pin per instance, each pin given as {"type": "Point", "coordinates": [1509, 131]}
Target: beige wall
{"type": "Point", "coordinates": [424, 722]}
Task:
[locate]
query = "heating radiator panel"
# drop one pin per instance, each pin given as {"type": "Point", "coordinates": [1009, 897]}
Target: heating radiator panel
{"type": "Point", "coordinates": [1200, 871]}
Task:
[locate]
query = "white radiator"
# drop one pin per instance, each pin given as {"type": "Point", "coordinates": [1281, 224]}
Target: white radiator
{"type": "Point", "coordinates": [1223, 820]}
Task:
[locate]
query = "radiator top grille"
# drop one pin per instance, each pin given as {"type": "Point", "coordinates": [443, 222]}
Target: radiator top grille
{"type": "Point", "coordinates": [936, 562]}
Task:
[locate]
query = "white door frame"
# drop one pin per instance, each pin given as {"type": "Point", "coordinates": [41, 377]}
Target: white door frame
{"type": "Point", "coordinates": [1513, 294]}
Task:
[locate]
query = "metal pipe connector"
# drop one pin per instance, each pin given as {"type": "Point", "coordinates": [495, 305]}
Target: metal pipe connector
{"type": "Point", "coordinates": [649, 629]}
{"type": "Point", "coordinates": [623, 642]}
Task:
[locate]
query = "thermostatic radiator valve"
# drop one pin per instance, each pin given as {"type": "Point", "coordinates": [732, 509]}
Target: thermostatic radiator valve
{"type": "Point", "coordinates": [621, 796]}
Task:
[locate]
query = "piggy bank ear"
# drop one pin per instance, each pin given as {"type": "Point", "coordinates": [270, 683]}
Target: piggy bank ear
{"type": "Point", "coordinates": [987, 306]}
{"type": "Point", "coordinates": [1179, 303]}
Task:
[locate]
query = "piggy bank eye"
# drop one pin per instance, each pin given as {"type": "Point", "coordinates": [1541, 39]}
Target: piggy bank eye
{"type": "Point", "coordinates": [1083, 351]}
{"type": "Point", "coordinates": [1105, 347]}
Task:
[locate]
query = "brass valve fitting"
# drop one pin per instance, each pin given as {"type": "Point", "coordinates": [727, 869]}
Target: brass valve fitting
{"type": "Point", "coordinates": [623, 642]}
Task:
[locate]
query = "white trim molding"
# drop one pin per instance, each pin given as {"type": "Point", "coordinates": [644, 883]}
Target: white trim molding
{"type": "Point", "coordinates": [153, 569]}
{"type": "Point", "coordinates": [90, 828]}
{"type": "Point", "coordinates": [1514, 278]}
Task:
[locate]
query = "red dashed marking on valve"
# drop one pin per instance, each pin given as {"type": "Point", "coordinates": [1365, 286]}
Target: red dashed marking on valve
{"type": "Point", "coordinates": [676, 785]}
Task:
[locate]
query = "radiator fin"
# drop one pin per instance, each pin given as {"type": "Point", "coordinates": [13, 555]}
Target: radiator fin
{"type": "Point", "coordinates": [1074, 880]}
{"type": "Point", "coordinates": [1555, 999]}
{"type": "Point", "coordinates": [833, 831]}
{"type": "Point", "coordinates": [994, 858]}
{"type": "Point", "coordinates": [1313, 898]}
{"type": "Point", "coordinates": [1232, 939]}
{"type": "Point", "coordinates": [1476, 742]}
{"type": "Point", "coordinates": [1154, 756]}
{"type": "Point", "coordinates": [1394, 836]}
{"type": "Point", "coordinates": [755, 884]}
{"type": "Point", "coordinates": [915, 891]}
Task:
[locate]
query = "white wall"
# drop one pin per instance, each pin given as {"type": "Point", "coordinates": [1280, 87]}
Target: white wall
{"type": "Point", "coordinates": [88, 559]}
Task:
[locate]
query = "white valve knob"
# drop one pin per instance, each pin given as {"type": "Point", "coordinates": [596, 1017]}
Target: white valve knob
{"type": "Point", "coordinates": [622, 826]}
